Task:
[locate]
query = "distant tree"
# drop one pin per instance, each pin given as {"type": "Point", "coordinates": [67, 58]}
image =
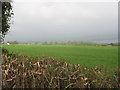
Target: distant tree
{"type": "Point", "coordinates": [45, 43]}
{"type": "Point", "coordinates": [50, 43]}
{"type": "Point", "coordinates": [62, 43]}
{"type": "Point", "coordinates": [13, 42]}
{"type": "Point", "coordinates": [56, 43]}
{"type": "Point", "coordinates": [36, 43]}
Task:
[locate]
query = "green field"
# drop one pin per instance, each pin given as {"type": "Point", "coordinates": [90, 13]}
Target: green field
{"type": "Point", "coordinates": [85, 55]}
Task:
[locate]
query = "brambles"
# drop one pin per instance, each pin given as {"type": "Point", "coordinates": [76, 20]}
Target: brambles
{"type": "Point", "coordinates": [51, 73]}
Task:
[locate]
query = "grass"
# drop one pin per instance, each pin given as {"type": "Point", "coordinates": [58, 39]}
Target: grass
{"type": "Point", "coordinates": [106, 56]}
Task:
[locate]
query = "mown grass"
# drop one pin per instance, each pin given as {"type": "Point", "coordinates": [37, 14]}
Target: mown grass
{"type": "Point", "coordinates": [106, 56]}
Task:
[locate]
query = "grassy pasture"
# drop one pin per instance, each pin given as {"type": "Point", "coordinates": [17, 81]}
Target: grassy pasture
{"type": "Point", "coordinates": [90, 56]}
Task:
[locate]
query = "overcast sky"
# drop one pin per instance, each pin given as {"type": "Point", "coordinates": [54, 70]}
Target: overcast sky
{"type": "Point", "coordinates": [58, 20]}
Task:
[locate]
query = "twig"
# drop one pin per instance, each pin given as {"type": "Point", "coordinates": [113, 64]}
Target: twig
{"type": "Point", "coordinates": [69, 85]}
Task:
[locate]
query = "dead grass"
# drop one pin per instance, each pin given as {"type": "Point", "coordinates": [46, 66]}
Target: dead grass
{"type": "Point", "coordinates": [23, 72]}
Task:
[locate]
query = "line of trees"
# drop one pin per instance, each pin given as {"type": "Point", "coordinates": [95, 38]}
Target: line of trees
{"type": "Point", "coordinates": [63, 43]}
{"type": "Point", "coordinates": [69, 43]}
{"type": "Point", "coordinates": [72, 43]}
{"type": "Point", "coordinates": [13, 42]}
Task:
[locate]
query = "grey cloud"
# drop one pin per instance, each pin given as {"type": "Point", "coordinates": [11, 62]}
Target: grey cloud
{"type": "Point", "coordinates": [54, 21]}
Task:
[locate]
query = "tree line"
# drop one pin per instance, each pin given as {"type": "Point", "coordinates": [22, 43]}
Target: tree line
{"type": "Point", "coordinates": [63, 43]}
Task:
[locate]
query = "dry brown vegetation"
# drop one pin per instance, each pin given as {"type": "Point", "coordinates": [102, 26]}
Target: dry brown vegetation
{"type": "Point", "coordinates": [23, 72]}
